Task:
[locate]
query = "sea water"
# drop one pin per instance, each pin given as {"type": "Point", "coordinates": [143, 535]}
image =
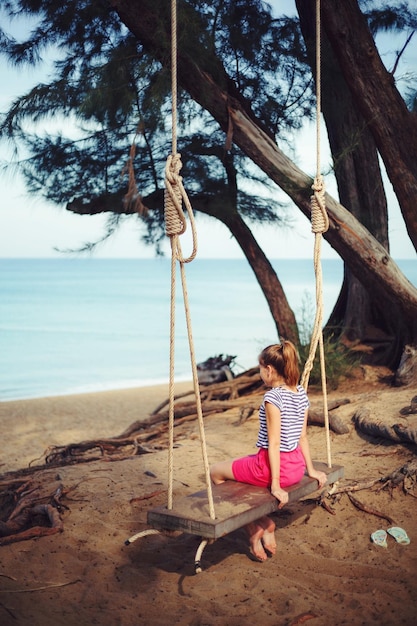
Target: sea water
{"type": "Point", "coordinates": [72, 325]}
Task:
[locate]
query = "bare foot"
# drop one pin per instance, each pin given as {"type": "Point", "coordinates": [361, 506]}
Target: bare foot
{"type": "Point", "coordinates": [256, 548]}
{"type": "Point", "coordinates": [268, 539]}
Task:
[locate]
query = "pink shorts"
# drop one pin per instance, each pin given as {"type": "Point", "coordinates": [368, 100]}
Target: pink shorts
{"type": "Point", "coordinates": [254, 469]}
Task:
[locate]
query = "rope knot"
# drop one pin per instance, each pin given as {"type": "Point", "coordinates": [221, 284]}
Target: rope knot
{"type": "Point", "coordinates": [319, 217]}
{"type": "Point", "coordinates": [175, 223]}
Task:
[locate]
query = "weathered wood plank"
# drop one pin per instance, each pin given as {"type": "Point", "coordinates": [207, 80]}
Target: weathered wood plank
{"type": "Point", "coordinates": [236, 504]}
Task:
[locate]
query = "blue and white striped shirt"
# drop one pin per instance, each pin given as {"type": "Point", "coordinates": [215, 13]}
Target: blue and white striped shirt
{"type": "Point", "coordinates": [292, 406]}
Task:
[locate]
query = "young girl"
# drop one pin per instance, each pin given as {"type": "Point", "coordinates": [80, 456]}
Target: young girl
{"type": "Point", "coordinates": [284, 453]}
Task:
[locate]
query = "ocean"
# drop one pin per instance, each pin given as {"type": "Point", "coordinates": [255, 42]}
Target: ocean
{"type": "Point", "coordinates": [73, 325]}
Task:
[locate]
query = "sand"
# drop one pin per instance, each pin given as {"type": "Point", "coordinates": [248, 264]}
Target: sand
{"type": "Point", "coordinates": [326, 570]}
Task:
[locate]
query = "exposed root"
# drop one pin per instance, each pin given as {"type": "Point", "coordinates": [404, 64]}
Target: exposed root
{"type": "Point", "coordinates": [405, 477]}
{"type": "Point", "coordinates": [367, 509]}
{"type": "Point", "coordinates": [28, 514]}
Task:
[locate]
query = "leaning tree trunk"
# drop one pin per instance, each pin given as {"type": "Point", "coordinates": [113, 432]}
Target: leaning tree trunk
{"type": "Point", "coordinates": [282, 314]}
{"type": "Point", "coordinates": [373, 89]}
{"type": "Point", "coordinates": [357, 316]}
{"type": "Point", "coordinates": [268, 280]}
{"type": "Point", "coordinates": [201, 74]}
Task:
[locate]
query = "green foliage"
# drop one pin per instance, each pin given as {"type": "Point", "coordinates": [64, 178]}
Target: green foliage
{"type": "Point", "coordinates": [72, 135]}
{"type": "Point", "coordinates": [400, 18]}
{"type": "Point", "coordinates": [395, 16]}
{"type": "Point", "coordinates": [340, 361]}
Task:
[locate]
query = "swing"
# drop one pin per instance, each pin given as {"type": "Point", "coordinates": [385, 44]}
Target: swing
{"type": "Point", "coordinates": [221, 509]}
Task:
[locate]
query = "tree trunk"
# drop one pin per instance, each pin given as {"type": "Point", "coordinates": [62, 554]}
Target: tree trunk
{"type": "Point", "coordinates": [268, 280]}
{"type": "Point", "coordinates": [393, 127]}
{"type": "Point", "coordinates": [357, 316]}
{"type": "Point", "coordinates": [201, 74]}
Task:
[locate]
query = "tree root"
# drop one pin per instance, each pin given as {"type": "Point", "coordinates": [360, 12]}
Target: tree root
{"type": "Point", "coordinates": [367, 509]}
{"type": "Point", "coordinates": [405, 476]}
{"type": "Point", "coordinates": [26, 515]}
{"type": "Point", "coordinates": [398, 433]}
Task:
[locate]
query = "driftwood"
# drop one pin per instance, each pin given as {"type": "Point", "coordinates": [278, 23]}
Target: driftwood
{"type": "Point", "coordinates": [336, 424]}
{"type": "Point", "coordinates": [244, 393]}
{"type": "Point", "coordinates": [398, 433]}
{"type": "Point", "coordinates": [215, 369]}
{"type": "Point", "coordinates": [404, 476]}
{"type": "Point", "coordinates": [405, 473]}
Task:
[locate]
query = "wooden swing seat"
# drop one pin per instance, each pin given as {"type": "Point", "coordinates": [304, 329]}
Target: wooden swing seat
{"type": "Point", "coordinates": [236, 504]}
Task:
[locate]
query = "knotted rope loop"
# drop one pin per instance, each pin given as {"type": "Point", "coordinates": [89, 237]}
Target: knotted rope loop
{"type": "Point", "coordinates": [175, 194]}
{"type": "Point", "coordinates": [175, 223]}
{"type": "Point", "coordinates": [319, 217]}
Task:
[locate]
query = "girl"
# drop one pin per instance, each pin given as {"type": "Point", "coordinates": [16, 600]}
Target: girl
{"type": "Point", "coordinates": [284, 453]}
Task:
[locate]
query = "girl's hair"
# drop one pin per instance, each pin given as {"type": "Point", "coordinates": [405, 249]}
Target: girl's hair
{"type": "Point", "coordinates": [284, 358]}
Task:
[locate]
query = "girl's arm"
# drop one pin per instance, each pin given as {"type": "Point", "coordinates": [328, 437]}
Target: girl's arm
{"type": "Point", "coordinates": [273, 423]}
{"type": "Point", "coordinates": [305, 449]}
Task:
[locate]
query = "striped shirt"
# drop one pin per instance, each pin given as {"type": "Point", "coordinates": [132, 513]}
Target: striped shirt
{"type": "Point", "coordinates": [292, 406]}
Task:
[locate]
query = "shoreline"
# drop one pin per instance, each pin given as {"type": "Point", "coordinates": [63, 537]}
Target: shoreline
{"type": "Point", "coordinates": [30, 426]}
{"type": "Point", "coordinates": [78, 391]}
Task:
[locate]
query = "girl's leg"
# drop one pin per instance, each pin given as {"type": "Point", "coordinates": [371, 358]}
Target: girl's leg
{"type": "Point", "coordinates": [262, 537]}
{"type": "Point", "coordinates": [221, 471]}
{"type": "Point", "coordinates": [268, 538]}
{"type": "Point", "coordinates": [256, 531]}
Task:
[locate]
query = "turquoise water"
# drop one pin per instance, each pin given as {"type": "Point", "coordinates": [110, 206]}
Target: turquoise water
{"type": "Point", "coordinates": [73, 325]}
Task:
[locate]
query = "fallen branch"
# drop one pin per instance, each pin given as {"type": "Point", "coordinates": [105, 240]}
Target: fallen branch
{"type": "Point", "coordinates": [394, 479]}
{"type": "Point", "coordinates": [316, 416]}
{"type": "Point", "coordinates": [367, 509]}
{"type": "Point", "coordinates": [357, 486]}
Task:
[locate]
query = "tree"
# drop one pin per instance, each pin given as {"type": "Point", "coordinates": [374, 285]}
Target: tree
{"type": "Point", "coordinates": [110, 82]}
{"type": "Point", "coordinates": [374, 91]}
{"type": "Point", "coordinates": [356, 165]}
{"type": "Point", "coordinates": [234, 105]}
{"type": "Point", "coordinates": [209, 85]}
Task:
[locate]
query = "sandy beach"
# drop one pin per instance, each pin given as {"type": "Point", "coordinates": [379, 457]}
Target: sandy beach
{"type": "Point", "coordinates": [326, 570]}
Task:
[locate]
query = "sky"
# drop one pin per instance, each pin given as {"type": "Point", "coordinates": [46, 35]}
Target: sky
{"type": "Point", "coordinates": [32, 227]}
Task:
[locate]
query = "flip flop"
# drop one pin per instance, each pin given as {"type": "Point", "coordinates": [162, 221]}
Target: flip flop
{"type": "Point", "coordinates": [399, 535]}
{"type": "Point", "coordinates": [379, 537]}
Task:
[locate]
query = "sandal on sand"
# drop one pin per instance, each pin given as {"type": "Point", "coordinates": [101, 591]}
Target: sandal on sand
{"type": "Point", "coordinates": [399, 535]}
{"type": "Point", "coordinates": [379, 537]}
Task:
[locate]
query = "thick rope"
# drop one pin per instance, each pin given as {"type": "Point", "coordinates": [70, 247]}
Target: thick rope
{"type": "Point", "coordinates": [175, 225]}
{"type": "Point", "coordinates": [319, 225]}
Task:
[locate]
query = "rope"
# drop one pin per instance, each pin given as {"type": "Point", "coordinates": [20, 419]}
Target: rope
{"type": "Point", "coordinates": [132, 199]}
{"type": "Point", "coordinates": [175, 225]}
{"type": "Point", "coordinates": [319, 225]}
